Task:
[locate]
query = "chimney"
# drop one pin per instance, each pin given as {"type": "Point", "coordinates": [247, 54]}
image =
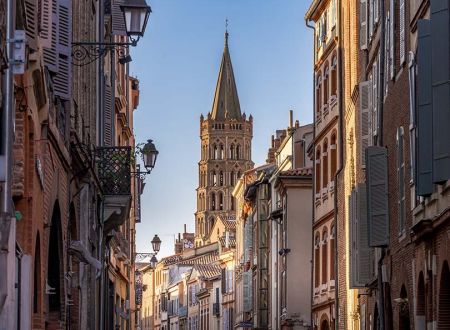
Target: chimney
{"type": "Point", "coordinates": [185, 228]}
{"type": "Point", "coordinates": [291, 118]}
{"type": "Point", "coordinates": [297, 124]}
{"type": "Point", "coordinates": [273, 141]}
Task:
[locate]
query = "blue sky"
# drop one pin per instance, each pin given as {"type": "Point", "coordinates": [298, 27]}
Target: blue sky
{"type": "Point", "coordinates": [177, 63]}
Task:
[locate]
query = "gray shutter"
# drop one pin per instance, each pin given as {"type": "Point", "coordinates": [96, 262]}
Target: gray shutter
{"type": "Point", "coordinates": [63, 80]}
{"type": "Point", "coordinates": [363, 24]}
{"type": "Point", "coordinates": [108, 117]}
{"type": "Point", "coordinates": [424, 171]}
{"type": "Point", "coordinates": [365, 114]}
{"type": "Point", "coordinates": [50, 44]}
{"type": "Point", "coordinates": [391, 15]}
{"type": "Point", "coordinates": [31, 26]}
{"type": "Point", "coordinates": [118, 20]}
{"type": "Point", "coordinates": [353, 240]}
{"type": "Point", "coordinates": [440, 62]}
{"type": "Point", "coordinates": [402, 31]}
{"type": "Point", "coordinates": [224, 280]}
{"type": "Point", "coordinates": [377, 196]}
{"type": "Point", "coordinates": [364, 271]}
{"type": "Point", "coordinates": [45, 24]}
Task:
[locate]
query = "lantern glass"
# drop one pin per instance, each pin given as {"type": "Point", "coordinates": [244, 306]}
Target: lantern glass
{"type": "Point", "coordinates": [156, 243]}
{"type": "Point", "coordinates": [153, 262]}
{"type": "Point", "coordinates": [136, 13]}
{"type": "Point", "coordinates": [149, 155]}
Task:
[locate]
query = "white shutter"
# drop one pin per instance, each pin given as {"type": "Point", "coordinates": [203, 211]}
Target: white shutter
{"type": "Point", "coordinates": [365, 113]}
{"type": "Point", "coordinates": [402, 32]}
{"type": "Point", "coordinates": [392, 39]}
{"type": "Point", "coordinates": [363, 24]}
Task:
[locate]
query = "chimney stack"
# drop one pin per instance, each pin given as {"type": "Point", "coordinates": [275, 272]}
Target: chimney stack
{"type": "Point", "coordinates": [291, 118]}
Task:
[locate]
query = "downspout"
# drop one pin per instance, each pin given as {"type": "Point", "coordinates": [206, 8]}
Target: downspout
{"type": "Point", "coordinates": [379, 142]}
{"type": "Point", "coordinates": [314, 166]}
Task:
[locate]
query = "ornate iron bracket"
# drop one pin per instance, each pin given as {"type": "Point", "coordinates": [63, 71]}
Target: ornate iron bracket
{"type": "Point", "coordinates": [84, 53]}
{"type": "Point", "coordinates": [138, 257]}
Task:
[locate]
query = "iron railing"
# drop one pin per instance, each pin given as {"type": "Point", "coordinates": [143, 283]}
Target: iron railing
{"type": "Point", "coordinates": [114, 170]}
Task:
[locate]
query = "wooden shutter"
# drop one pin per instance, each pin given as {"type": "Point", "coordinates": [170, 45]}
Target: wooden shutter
{"type": "Point", "coordinates": [424, 162]}
{"type": "Point", "coordinates": [402, 46]}
{"type": "Point", "coordinates": [363, 24]}
{"type": "Point", "coordinates": [376, 10]}
{"type": "Point", "coordinates": [440, 62]}
{"type": "Point", "coordinates": [365, 114]}
{"type": "Point", "coordinates": [108, 117]}
{"type": "Point", "coordinates": [374, 103]}
{"type": "Point", "coordinates": [224, 280]}
{"type": "Point", "coordinates": [45, 23]}
{"type": "Point", "coordinates": [247, 290]}
{"type": "Point", "coordinates": [391, 15]}
{"type": "Point", "coordinates": [50, 34]}
{"type": "Point", "coordinates": [31, 23]}
{"type": "Point", "coordinates": [353, 240]}
{"type": "Point", "coordinates": [118, 20]}
{"type": "Point", "coordinates": [364, 251]}
{"type": "Point", "coordinates": [63, 79]}
{"type": "Point", "coordinates": [400, 179]}
{"type": "Point", "coordinates": [377, 196]}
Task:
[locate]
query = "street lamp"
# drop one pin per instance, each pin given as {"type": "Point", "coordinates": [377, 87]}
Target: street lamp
{"type": "Point", "coordinates": [135, 15]}
{"type": "Point", "coordinates": [156, 244]}
{"type": "Point", "coordinates": [149, 155]}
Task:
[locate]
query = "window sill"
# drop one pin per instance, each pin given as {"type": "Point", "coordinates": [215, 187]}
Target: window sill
{"type": "Point", "coordinates": [331, 284]}
{"type": "Point", "coordinates": [323, 288]}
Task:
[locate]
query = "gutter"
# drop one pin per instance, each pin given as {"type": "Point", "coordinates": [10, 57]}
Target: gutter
{"type": "Point", "coordinates": [314, 166]}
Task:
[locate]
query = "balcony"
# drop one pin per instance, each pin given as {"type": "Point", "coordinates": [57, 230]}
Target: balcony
{"type": "Point", "coordinates": [114, 173]}
{"type": "Point", "coordinates": [216, 309]}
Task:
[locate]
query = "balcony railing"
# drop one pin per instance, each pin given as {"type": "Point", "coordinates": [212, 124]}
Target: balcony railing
{"type": "Point", "coordinates": [114, 170]}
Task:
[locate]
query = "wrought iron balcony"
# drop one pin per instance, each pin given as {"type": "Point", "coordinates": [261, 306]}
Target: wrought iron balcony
{"type": "Point", "coordinates": [114, 170]}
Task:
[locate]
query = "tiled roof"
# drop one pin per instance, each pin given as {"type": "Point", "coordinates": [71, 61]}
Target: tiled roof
{"type": "Point", "coordinates": [202, 259]}
{"type": "Point", "coordinates": [305, 171]}
{"type": "Point", "coordinates": [208, 271]}
{"type": "Point", "coordinates": [230, 224]}
{"type": "Point", "coordinates": [232, 241]}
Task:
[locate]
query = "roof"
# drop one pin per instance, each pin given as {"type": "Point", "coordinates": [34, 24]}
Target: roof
{"type": "Point", "coordinates": [206, 258]}
{"type": "Point", "coordinates": [226, 100]}
{"type": "Point", "coordinates": [230, 225]}
{"type": "Point", "coordinates": [208, 271]}
{"type": "Point", "coordinates": [304, 171]}
{"type": "Point", "coordinates": [232, 240]}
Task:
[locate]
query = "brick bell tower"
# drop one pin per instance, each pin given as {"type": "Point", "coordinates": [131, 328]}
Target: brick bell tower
{"type": "Point", "coordinates": [226, 141]}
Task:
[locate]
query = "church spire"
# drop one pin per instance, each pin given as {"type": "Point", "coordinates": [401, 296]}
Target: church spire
{"type": "Point", "coordinates": [226, 100]}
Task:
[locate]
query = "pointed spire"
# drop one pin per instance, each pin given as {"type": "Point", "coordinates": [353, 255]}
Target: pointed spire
{"type": "Point", "coordinates": [226, 100]}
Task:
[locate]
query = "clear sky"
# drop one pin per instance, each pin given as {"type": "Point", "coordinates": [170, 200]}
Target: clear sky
{"type": "Point", "coordinates": [177, 63]}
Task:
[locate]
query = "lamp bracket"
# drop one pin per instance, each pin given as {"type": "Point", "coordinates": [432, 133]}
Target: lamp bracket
{"type": "Point", "coordinates": [138, 257]}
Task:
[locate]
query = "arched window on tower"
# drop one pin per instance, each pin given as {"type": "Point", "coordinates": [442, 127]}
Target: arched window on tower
{"type": "Point", "coordinates": [325, 164]}
{"type": "Point", "coordinates": [220, 178]}
{"type": "Point", "coordinates": [220, 201]}
{"type": "Point", "coordinates": [317, 171]}
{"type": "Point", "coordinates": [334, 77]}
{"type": "Point", "coordinates": [213, 201]}
{"type": "Point", "coordinates": [221, 152]}
{"type": "Point", "coordinates": [238, 152]}
{"type": "Point", "coordinates": [238, 175]}
{"type": "Point", "coordinates": [232, 151]}
{"type": "Point", "coordinates": [324, 257]}
{"type": "Point", "coordinates": [232, 203]}
{"type": "Point", "coordinates": [216, 152]}
{"type": "Point", "coordinates": [232, 178]}
{"type": "Point", "coordinates": [214, 178]}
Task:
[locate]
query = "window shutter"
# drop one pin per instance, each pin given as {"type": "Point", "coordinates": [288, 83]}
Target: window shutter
{"type": "Point", "coordinates": [424, 171]}
{"type": "Point", "coordinates": [387, 56]}
{"type": "Point", "coordinates": [374, 104]}
{"type": "Point", "coordinates": [353, 240]}
{"type": "Point", "coordinates": [365, 114]}
{"type": "Point", "coordinates": [118, 20]}
{"type": "Point", "coordinates": [376, 11]}
{"type": "Point", "coordinates": [363, 24]}
{"type": "Point", "coordinates": [224, 280]}
{"type": "Point", "coordinates": [377, 196]}
{"type": "Point", "coordinates": [440, 62]}
{"type": "Point", "coordinates": [45, 23]}
{"type": "Point", "coordinates": [402, 31]}
{"type": "Point", "coordinates": [31, 26]}
{"type": "Point", "coordinates": [391, 16]}
{"type": "Point", "coordinates": [400, 179]}
{"type": "Point", "coordinates": [108, 116]}
{"type": "Point", "coordinates": [63, 80]}
{"type": "Point", "coordinates": [364, 251]}
{"type": "Point", "coordinates": [50, 34]}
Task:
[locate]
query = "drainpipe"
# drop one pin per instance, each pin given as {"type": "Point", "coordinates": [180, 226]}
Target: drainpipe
{"type": "Point", "coordinates": [379, 142]}
{"type": "Point", "coordinates": [6, 157]}
{"type": "Point", "coordinates": [314, 166]}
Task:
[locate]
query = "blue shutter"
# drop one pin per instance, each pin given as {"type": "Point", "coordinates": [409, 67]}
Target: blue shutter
{"type": "Point", "coordinates": [440, 62]}
{"type": "Point", "coordinates": [50, 34]}
{"type": "Point", "coordinates": [377, 196]}
{"type": "Point", "coordinates": [424, 184]}
{"type": "Point", "coordinates": [31, 20]}
{"type": "Point", "coordinates": [108, 117]}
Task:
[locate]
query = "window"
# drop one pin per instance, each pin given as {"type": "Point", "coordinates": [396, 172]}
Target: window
{"type": "Point", "coordinates": [214, 178]}
{"type": "Point", "coordinates": [325, 164]}
{"type": "Point", "coordinates": [220, 178]}
{"type": "Point", "coordinates": [333, 156]}
{"type": "Point", "coordinates": [214, 152]}
{"type": "Point", "coordinates": [334, 76]}
{"type": "Point", "coordinates": [238, 152]}
{"type": "Point", "coordinates": [400, 181]}
{"type": "Point", "coordinates": [324, 257]}
{"type": "Point", "coordinates": [221, 152]}
{"type": "Point", "coordinates": [318, 97]}
{"type": "Point", "coordinates": [317, 261]}
{"type": "Point", "coordinates": [232, 178]}
{"type": "Point", "coordinates": [232, 203]}
{"type": "Point", "coordinates": [325, 85]}
{"type": "Point", "coordinates": [213, 201]}
{"type": "Point", "coordinates": [332, 240]}
{"type": "Point", "coordinates": [318, 171]}
{"type": "Point", "coordinates": [220, 201]}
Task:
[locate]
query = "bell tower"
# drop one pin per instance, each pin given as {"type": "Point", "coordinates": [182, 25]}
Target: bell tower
{"type": "Point", "coordinates": [226, 140]}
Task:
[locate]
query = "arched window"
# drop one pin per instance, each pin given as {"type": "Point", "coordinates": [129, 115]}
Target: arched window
{"type": "Point", "coordinates": [213, 151]}
{"type": "Point", "coordinates": [325, 85]}
{"type": "Point", "coordinates": [232, 151]}
{"type": "Point", "coordinates": [318, 96]}
{"type": "Point", "coordinates": [221, 156]}
{"type": "Point", "coordinates": [333, 156]}
{"type": "Point", "coordinates": [317, 261]}
{"type": "Point", "coordinates": [220, 201]}
{"type": "Point", "coordinates": [232, 178]}
{"type": "Point", "coordinates": [318, 171]}
{"type": "Point", "coordinates": [421, 303]}
{"type": "Point", "coordinates": [216, 152]}
{"type": "Point", "coordinates": [324, 257]}
{"type": "Point", "coordinates": [334, 76]}
{"type": "Point", "coordinates": [232, 203]}
{"type": "Point", "coordinates": [239, 174]}
{"type": "Point", "coordinates": [214, 178]}
{"type": "Point", "coordinates": [332, 240]}
{"type": "Point", "coordinates": [213, 201]}
{"type": "Point", "coordinates": [220, 178]}
{"type": "Point", "coordinates": [444, 302]}
{"type": "Point", "coordinates": [325, 164]}
{"type": "Point", "coordinates": [238, 152]}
